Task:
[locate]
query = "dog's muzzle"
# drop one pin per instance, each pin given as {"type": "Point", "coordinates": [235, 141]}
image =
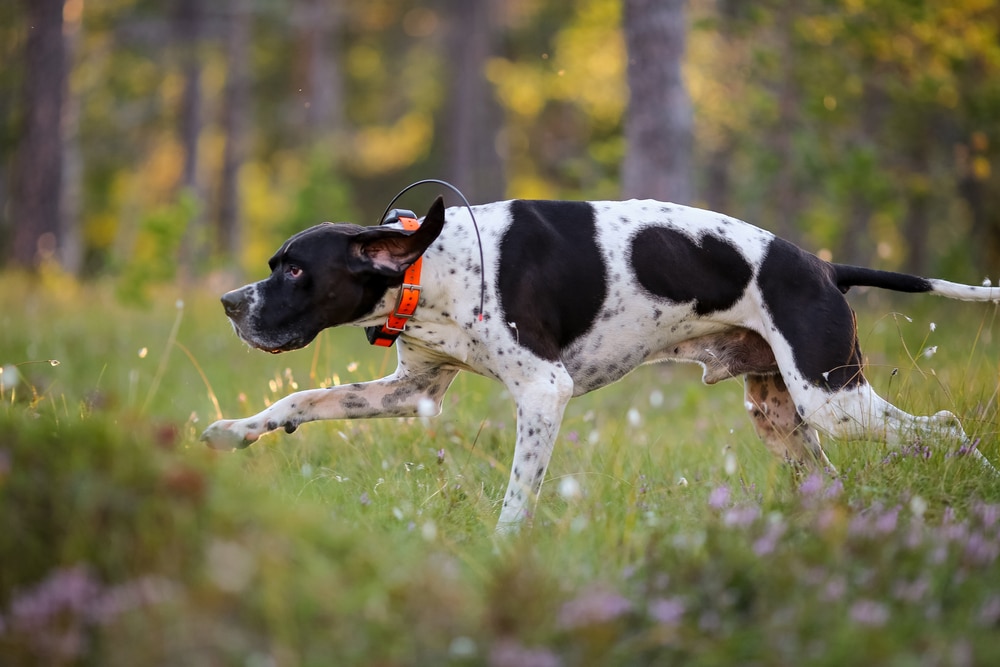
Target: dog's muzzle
{"type": "Point", "coordinates": [240, 305]}
{"type": "Point", "coordinates": [237, 306]}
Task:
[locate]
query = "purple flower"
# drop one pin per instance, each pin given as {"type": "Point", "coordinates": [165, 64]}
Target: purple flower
{"type": "Point", "coordinates": [911, 591]}
{"type": "Point", "coordinates": [364, 499]}
{"type": "Point", "coordinates": [70, 590]}
{"type": "Point", "coordinates": [988, 514]}
{"type": "Point", "coordinates": [955, 532]}
{"type": "Point", "coordinates": [741, 517]}
{"type": "Point", "coordinates": [916, 450]}
{"type": "Point", "coordinates": [667, 611]}
{"type": "Point", "coordinates": [989, 613]}
{"type": "Point", "coordinates": [981, 551]}
{"type": "Point", "coordinates": [510, 653]}
{"type": "Point", "coordinates": [768, 542]}
{"type": "Point", "coordinates": [834, 490]}
{"type": "Point", "coordinates": [835, 589]}
{"type": "Point", "coordinates": [965, 450]}
{"type": "Point", "coordinates": [812, 485]}
{"type": "Point", "coordinates": [55, 614]}
{"type": "Point", "coordinates": [886, 523]}
{"type": "Point", "coordinates": [593, 607]}
{"type": "Point", "coordinates": [949, 515]}
{"type": "Point", "coordinates": [869, 613]}
{"type": "Point", "coordinates": [719, 497]}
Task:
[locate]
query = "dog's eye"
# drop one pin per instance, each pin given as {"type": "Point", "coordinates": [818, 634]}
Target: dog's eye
{"type": "Point", "coordinates": [293, 271]}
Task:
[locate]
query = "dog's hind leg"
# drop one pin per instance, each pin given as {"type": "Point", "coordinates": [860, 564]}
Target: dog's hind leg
{"type": "Point", "coordinates": [812, 332]}
{"type": "Point", "coordinates": [779, 425]}
{"type": "Point", "coordinates": [743, 352]}
{"type": "Point", "coordinates": [859, 413]}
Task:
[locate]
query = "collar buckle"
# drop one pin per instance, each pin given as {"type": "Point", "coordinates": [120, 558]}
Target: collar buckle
{"type": "Point", "coordinates": [409, 292]}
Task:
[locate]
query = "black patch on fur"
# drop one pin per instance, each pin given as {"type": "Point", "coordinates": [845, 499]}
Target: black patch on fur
{"type": "Point", "coordinates": [712, 273]}
{"type": "Point", "coordinates": [552, 278]}
{"type": "Point", "coordinates": [802, 295]}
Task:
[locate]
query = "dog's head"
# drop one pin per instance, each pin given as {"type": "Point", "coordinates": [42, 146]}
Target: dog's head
{"type": "Point", "coordinates": [327, 275]}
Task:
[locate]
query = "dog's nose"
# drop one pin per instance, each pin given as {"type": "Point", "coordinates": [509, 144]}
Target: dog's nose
{"type": "Point", "coordinates": [233, 303]}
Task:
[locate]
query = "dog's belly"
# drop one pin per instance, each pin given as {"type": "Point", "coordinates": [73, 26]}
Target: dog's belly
{"type": "Point", "coordinates": [612, 349]}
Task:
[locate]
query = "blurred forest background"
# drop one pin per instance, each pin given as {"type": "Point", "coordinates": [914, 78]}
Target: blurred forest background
{"type": "Point", "coordinates": [150, 140]}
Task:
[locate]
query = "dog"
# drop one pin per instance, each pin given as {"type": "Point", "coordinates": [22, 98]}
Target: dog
{"type": "Point", "coordinates": [559, 298]}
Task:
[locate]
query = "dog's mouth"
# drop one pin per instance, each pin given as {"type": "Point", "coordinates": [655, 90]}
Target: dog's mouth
{"type": "Point", "coordinates": [294, 344]}
{"type": "Point", "coordinates": [269, 345]}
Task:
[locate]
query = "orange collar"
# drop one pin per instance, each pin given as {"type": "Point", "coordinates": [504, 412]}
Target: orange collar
{"type": "Point", "coordinates": [406, 304]}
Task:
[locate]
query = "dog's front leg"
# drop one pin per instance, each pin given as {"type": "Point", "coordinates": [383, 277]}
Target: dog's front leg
{"type": "Point", "coordinates": [405, 393]}
{"type": "Point", "coordinates": [540, 406]}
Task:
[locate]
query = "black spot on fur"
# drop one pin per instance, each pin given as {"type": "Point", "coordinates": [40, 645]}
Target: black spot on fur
{"type": "Point", "coordinates": [801, 294]}
{"type": "Point", "coordinates": [712, 273]}
{"type": "Point", "coordinates": [354, 402]}
{"type": "Point", "coordinates": [552, 278]}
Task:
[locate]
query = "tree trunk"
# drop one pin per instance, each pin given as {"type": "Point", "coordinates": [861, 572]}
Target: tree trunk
{"type": "Point", "coordinates": [718, 185]}
{"type": "Point", "coordinates": [235, 124]}
{"type": "Point", "coordinates": [317, 25]}
{"type": "Point", "coordinates": [658, 123]}
{"type": "Point", "coordinates": [786, 191]}
{"type": "Point", "coordinates": [188, 27]}
{"type": "Point", "coordinates": [70, 237]}
{"type": "Point", "coordinates": [37, 183]}
{"type": "Point", "coordinates": [473, 116]}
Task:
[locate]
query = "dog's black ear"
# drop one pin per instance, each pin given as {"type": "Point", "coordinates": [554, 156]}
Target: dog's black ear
{"type": "Point", "coordinates": [391, 251]}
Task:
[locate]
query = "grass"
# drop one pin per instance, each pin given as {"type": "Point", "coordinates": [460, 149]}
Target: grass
{"type": "Point", "coordinates": [665, 534]}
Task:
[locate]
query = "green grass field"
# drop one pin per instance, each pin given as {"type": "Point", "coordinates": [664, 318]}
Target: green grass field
{"type": "Point", "coordinates": [665, 533]}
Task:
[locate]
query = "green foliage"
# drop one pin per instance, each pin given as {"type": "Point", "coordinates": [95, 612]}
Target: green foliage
{"type": "Point", "coordinates": [865, 128]}
{"type": "Point", "coordinates": [154, 255]}
{"type": "Point", "coordinates": [323, 196]}
{"type": "Point", "coordinates": [665, 533]}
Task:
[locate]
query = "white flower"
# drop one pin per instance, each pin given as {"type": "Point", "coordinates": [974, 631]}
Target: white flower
{"type": "Point", "coordinates": [426, 407]}
{"type": "Point", "coordinates": [9, 377]}
{"type": "Point", "coordinates": [656, 398]}
{"type": "Point", "coordinates": [428, 531]}
{"type": "Point", "coordinates": [730, 465]}
{"type": "Point", "coordinates": [569, 488]}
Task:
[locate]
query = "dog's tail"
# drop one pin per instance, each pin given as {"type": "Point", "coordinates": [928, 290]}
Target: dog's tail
{"type": "Point", "coordinates": [847, 276]}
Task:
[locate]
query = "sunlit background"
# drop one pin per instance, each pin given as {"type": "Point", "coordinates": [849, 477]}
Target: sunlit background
{"type": "Point", "coordinates": [150, 140]}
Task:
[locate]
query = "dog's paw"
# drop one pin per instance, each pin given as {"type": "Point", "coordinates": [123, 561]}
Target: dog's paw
{"type": "Point", "coordinates": [227, 434]}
